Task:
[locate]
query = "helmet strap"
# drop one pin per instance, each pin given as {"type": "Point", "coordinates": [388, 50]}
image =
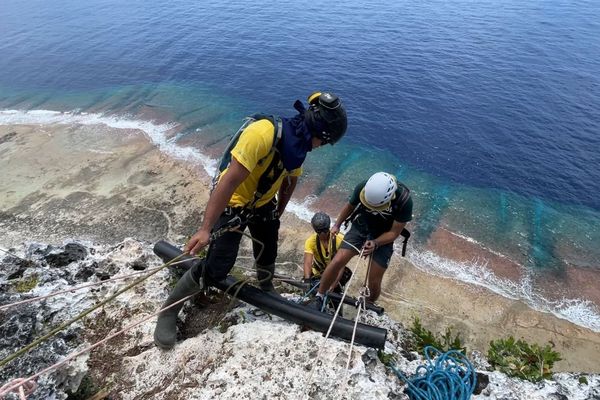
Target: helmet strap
{"type": "Point", "coordinates": [299, 106]}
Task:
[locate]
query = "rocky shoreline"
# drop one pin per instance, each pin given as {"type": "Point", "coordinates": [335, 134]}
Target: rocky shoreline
{"type": "Point", "coordinates": [102, 188]}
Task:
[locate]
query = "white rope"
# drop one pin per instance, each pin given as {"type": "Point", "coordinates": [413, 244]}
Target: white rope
{"type": "Point", "coordinates": [361, 304]}
{"type": "Point", "coordinates": [365, 292]}
{"type": "Point", "coordinates": [337, 311]}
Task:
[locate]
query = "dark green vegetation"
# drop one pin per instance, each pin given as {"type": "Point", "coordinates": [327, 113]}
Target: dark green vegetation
{"type": "Point", "coordinates": [520, 359]}
{"type": "Point", "coordinates": [424, 337]}
{"type": "Point", "coordinates": [515, 358]}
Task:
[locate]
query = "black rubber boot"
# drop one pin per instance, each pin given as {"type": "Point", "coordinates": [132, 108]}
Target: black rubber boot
{"type": "Point", "coordinates": [264, 274]}
{"type": "Point", "coordinates": [165, 333]}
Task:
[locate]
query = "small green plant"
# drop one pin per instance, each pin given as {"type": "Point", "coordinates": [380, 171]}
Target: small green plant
{"type": "Point", "coordinates": [24, 285]}
{"type": "Point", "coordinates": [583, 380]}
{"type": "Point", "coordinates": [386, 358]}
{"type": "Point", "coordinates": [446, 342]}
{"type": "Point", "coordinates": [523, 360]}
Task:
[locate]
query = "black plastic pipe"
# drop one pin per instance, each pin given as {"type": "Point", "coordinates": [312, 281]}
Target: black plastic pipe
{"type": "Point", "coordinates": [335, 296]}
{"type": "Point", "coordinates": [366, 335]}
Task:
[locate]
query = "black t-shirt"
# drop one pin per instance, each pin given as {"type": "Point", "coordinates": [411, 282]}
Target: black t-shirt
{"type": "Point", "coordinates": [378, 222]}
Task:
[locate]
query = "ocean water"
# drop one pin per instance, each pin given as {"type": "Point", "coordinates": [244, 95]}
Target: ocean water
{"type": "Point", "coordinates": [489, 111]}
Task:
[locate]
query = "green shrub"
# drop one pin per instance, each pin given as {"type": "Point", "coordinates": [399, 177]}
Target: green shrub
{"type": "Point", "coordinates": [520, 359]}
{"type": "Point", "coordinates": [386, 358]}
{"type": "Point", "coordinates": [446, 342]}
{"type": "Point", "coordinates": [24, 285]}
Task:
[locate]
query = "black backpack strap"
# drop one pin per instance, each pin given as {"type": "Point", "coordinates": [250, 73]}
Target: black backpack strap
{"type": "Point", "coordinates": [406, 235]}
{"type": "Point", "coordinates": [333, 241]}
{"type": "Point", "coordinates": [404, 196]}
{"type": "Point", "coordinates": [321, 265]}
{"type": "Point", "coordinates": [226, 158]}
{"type": "Point", "coordinates": [401, 202]}
{"type": "Point", "coordinates": [275, 166]}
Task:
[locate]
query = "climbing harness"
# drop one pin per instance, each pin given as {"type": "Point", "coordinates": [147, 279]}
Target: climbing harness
{"type": "Point", "coordinates": [320, 262]}
{"type": "Point", "coordinates": [450, 377]}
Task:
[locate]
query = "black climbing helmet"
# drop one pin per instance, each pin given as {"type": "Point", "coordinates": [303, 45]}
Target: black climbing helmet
{"type": "Point", "coordinates": [326, 117]}
{"type": "Point", "coordinates": [320, 222]}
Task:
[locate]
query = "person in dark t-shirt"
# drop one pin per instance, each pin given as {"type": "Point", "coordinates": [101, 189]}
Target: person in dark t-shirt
{"type": "Point", "coordinates": [379, 209]}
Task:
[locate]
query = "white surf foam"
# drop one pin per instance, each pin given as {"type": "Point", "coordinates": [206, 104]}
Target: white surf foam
{"type": "Point", "coordinates": [580, 312]}
{"type": "Point", "coordinates": [302, 208]}
{"type": "Point", "coordinates": [156, 132]}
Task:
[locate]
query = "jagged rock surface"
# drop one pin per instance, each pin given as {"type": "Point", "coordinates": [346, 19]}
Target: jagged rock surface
{"type": "Point", "coordinates": [240, 354]}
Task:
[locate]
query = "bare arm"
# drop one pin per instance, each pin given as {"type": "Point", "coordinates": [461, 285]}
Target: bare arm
{"type": "Point", "coordinates": [337, 280]}
{"type": "Point", "coordinates": [235, 175]}
{"type": "Point", "coordinates": [384, 238]}
{"type": "Point", "coordinates": [308, 260]}
{"type": "Point", "coordinates": [285, 193]}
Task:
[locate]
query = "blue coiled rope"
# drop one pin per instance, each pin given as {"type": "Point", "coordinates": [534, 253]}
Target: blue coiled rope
{"type": "Point", "coordinates": [450, 377]}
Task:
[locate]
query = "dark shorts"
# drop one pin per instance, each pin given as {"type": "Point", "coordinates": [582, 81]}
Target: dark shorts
{"type": "Point", "coordinates": [357, 237]}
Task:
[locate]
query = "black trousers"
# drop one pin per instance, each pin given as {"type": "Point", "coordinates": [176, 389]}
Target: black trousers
{"type": "Point", "coordinates": [222, 252]}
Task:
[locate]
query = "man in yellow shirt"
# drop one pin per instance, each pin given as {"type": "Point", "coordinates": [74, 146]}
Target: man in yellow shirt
{"type": "Point", "coordinates": [319, 249]}
{"type": "Point", "coordinates": [254, 189]}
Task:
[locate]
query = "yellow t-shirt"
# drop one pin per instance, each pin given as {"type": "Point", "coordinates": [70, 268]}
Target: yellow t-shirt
{"type": "Point", "coordinates": [319, 264]}
{"type": "Point", "coordinates": [254, 144]}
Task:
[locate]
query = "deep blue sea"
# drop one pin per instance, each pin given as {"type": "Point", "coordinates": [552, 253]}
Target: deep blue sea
{"type": "Point", "coordinates": [488, 110]}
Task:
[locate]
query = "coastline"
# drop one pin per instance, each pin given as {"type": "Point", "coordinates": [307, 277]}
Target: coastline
{"type": "Point", "coordinates": [103, 184]}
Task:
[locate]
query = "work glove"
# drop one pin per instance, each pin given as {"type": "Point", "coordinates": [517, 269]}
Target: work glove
{"type": "Point", "coordinates": [308, 283]}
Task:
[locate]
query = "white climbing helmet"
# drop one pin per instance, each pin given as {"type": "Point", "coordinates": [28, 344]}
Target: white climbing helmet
{"type": "Point", "coordinates": [379, 191]}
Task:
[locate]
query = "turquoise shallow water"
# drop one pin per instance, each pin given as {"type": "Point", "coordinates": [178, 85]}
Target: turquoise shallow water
{"type": "Point", "coordinates": [507, 222]}
{"type": "Point", "coordinates": [547, 238]}
{"type": "Point", "coordinates": [489, 112]}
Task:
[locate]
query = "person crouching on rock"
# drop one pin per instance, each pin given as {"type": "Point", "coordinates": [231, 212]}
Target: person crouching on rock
{"type": "Point", "coordinates": [319, 249]}
{"type": "Point", "coordinates": [379, 209]}
{"type": "Point", "coordinates": [254, 189]}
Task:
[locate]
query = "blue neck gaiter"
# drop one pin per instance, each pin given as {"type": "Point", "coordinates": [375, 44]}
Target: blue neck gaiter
{"type": "Point", "coordinates": [296, 142]}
